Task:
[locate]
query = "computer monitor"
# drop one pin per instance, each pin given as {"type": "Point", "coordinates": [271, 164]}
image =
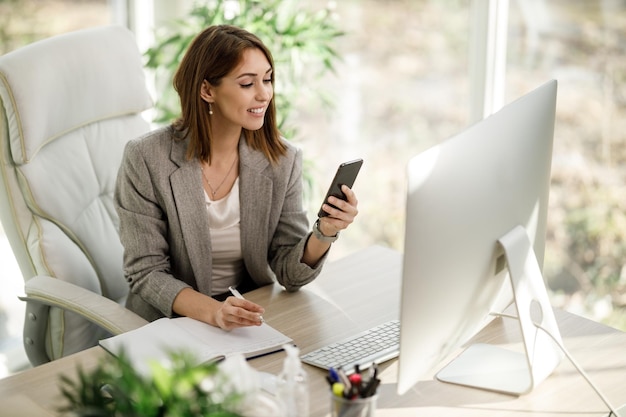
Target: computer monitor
{"type": "Point", "coordinates": [475, 230]}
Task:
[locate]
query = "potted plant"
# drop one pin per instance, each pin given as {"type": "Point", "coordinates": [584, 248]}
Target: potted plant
{"type": "Point", "coordinates": [179, 388]}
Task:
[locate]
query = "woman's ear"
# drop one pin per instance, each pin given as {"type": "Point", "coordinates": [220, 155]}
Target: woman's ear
{"type": "Point", "coordinates": [205, 92]}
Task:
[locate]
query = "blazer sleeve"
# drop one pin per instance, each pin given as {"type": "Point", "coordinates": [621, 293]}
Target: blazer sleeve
{"type": "Point", "coordinates": [292, 233]}
{"type": "Point", "coordinates": [143, 233]}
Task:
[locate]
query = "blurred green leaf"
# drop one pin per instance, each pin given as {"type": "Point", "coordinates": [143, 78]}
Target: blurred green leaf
{"type": "Point", "coordinates": [115, 389]}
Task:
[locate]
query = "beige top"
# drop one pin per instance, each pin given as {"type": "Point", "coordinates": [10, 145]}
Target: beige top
{"type": "Point", "coordinates": [224, 223]}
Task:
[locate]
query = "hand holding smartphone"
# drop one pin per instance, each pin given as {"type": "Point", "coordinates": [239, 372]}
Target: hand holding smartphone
{"type": "Point", "coordinates": [346, 175]}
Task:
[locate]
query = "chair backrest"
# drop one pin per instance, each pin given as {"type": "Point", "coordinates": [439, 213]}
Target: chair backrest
{"type": "Point", "coordinates": [69, 105]}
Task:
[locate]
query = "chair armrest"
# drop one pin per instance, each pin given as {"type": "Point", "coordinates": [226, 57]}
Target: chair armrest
{"type": "Point", "coordinates": [98, 309]}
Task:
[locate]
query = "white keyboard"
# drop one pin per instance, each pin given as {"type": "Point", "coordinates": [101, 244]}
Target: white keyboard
{"type": "Point", "coordinates": [376, 345]}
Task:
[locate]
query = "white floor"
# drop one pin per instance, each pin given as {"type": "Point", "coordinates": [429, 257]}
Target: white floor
{"type": "Point", "coordinates": [12, 356]}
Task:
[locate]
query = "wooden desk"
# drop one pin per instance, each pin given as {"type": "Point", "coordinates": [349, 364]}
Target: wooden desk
{"type": "Point", "coordinates": [355, 293]}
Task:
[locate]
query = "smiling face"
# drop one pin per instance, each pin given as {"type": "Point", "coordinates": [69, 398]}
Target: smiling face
{"type": "Point", "coordinates": [242, 96]}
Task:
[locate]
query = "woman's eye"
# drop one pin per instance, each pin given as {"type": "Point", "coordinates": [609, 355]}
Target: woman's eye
{"type": "Point", "coordinates": [248, 85]}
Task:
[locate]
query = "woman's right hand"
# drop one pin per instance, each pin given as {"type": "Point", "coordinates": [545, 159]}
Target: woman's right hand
{"type": "Point", "coordinates": [229, 314]}
{"type": "Point", "coordinates": [235, 312]}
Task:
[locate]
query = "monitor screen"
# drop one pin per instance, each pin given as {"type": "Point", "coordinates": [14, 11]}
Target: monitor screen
{"type": "Point", "coordinates": [463, 196]}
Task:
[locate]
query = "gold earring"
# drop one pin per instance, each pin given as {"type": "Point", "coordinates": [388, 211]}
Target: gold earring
{"type": "Point", "coordinates": [210, 109]}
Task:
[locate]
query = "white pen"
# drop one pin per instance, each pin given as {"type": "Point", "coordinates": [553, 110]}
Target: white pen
{"type": "Point", "coordinates": [237, 294]}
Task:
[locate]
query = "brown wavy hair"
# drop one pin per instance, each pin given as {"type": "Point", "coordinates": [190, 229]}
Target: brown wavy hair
{"type": "Point", "coordinates": [212, 54]}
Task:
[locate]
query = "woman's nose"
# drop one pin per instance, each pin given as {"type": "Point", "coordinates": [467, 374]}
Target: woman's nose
{"type": "Point", "coordinates": [264, 93]}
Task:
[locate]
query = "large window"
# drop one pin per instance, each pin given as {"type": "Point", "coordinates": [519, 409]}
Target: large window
{"type": "Point", "coordinates": [583, 45]}
{"type": "Point", "coordinates": [407, 81]}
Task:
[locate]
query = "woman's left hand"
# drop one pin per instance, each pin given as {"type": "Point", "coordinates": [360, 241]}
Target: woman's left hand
{"type": "Point", "coordinates": [342, 216]}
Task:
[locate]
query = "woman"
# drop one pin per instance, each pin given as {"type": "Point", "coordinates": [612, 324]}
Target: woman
{"type": "Point", "coordinates": [215, 199]}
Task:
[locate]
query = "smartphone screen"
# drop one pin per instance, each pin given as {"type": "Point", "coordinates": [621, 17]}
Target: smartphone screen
{"type": "Point", "coordinates": [345, 175]}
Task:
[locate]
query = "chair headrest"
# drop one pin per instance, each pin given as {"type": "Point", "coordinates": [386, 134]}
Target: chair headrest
{"type": "Point", "coordinates": [56, 85]}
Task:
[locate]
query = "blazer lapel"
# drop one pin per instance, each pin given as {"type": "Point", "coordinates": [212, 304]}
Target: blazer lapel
{"type": "Point", "coordinates": [186, 183]}
{"type": "Point", "coordinates": [255, 194]}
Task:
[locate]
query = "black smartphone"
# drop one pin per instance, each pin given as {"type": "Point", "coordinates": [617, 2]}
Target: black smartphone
{"type": "Point", "coordinates": [345, 175]}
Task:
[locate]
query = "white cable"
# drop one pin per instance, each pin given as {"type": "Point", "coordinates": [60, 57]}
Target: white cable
{"type": "Point", "coordinates": [613, 411]}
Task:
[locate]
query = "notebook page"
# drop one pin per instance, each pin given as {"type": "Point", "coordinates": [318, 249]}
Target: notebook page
{"type": "Point", "coordinates": [154, 341]}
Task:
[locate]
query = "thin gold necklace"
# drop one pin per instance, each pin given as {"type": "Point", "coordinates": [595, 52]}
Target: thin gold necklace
{"type": "Point", "coordinates": [216, 189]}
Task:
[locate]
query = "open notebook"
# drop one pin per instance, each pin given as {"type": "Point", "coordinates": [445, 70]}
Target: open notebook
{"type": "Point", "coordinates": [155, 340]}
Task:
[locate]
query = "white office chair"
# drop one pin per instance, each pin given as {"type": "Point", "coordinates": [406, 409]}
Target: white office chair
{"type": "Point", "coordinates": [69, 104]}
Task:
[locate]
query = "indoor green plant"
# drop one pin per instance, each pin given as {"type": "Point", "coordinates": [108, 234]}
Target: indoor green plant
{"type": "Point", "coordinates": [115, 389]}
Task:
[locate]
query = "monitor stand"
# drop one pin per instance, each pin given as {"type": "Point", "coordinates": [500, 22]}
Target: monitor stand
{"type": "Point", "coordinates": [498, 369]}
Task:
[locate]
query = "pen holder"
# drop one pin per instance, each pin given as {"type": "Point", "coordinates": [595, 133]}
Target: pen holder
{"type": "Point", "coordinates": [358, 407]}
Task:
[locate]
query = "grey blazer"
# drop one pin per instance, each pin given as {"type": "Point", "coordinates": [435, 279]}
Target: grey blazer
{"type": "Point", "coordinates": [164, 227]}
